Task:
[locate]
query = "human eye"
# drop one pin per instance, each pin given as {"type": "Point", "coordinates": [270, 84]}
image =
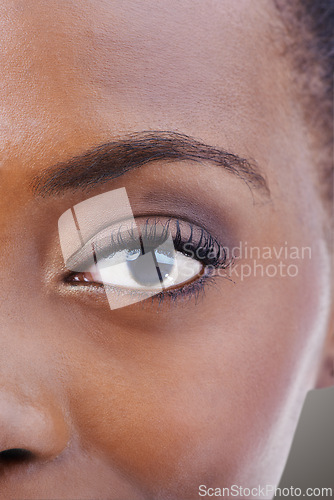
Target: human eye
{"type": "Point", "coordinates": [149, 257]}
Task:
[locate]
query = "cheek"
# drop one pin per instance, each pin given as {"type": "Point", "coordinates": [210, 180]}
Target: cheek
{"type": "Point", "coordinates": [200, 391]}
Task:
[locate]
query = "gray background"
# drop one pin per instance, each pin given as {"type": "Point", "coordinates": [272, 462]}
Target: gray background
{"type": "Point", "coordinates": [311, 459]}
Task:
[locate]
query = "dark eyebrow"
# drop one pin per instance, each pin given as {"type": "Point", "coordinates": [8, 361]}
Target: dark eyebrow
{"type": "Point", "coordinates": [113, 159]}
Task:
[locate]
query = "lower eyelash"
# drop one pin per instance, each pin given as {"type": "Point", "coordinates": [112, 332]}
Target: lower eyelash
{"type": "Point", "coordinates": [195, 289]}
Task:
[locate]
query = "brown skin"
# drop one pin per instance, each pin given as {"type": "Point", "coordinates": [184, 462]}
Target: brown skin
{"type": "Point", "coordinates": [147, 401]}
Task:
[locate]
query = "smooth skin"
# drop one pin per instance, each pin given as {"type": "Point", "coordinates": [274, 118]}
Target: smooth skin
{"type": "Point", "coordinates": [150, 401]}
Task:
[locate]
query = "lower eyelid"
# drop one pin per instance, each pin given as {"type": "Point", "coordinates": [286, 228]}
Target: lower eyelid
{"type": "Point", "coordinates": [191, 292]}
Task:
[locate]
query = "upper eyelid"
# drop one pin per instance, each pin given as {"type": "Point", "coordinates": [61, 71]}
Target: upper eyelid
{"type": "Point", "coordinates": [85, 255]}
{"type": "Point", "coordinates": [94, 244]}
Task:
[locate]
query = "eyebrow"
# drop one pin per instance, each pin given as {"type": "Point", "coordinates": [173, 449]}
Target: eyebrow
{"type": "Point", "coordinates": [113, 159]}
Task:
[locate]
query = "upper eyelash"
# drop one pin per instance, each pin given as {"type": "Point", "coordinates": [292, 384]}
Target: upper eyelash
{"type": "Point", "coordinates": [149, 233]}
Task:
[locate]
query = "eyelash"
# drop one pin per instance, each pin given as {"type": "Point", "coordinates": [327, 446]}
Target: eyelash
{"type": "Point", "coordinates": [204, 248]}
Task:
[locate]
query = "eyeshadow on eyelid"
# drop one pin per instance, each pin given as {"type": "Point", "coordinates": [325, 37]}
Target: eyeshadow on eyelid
{"type": "Point", "coordinates": [81, 226]}
{"type": "Point", "coordinates": [100, 211]}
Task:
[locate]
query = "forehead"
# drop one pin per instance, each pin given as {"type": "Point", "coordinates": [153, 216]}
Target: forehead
{"type": "Point", "coordinates": [82, 72]}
